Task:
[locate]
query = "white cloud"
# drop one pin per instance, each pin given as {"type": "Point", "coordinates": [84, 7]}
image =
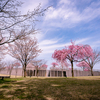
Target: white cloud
{"type": "Point", "coordinates": [84, 40]}
{"type": "Point", "coordinates": [54, 44]}
{"type": "Point", "coordinates": [95, 44]}
{"type": "Point", "coordinates": [66, 14]}
{"type": "Point", "coordinates": [48, 42]}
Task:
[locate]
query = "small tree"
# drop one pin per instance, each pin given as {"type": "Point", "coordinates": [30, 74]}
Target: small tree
{"type": "Point", "coordinates": [90, 62]}
{"type": "Point", "coordinates": [16, 65]}
{"type": "Point", "coordinates": [43, 66]}
{"type": "Point", "coordinates": [63, 65]}
{"type": "Point", "coordinates": [2, 55]}
{"type": "Point", "coordinates": [54, 64]}
{"type": "Point", "coordinates": [39, 64]}
{"type": "Point", "coordinates": [25, 51]}
{"type": "Point", "coordinates": [83, 65]}
{"type": "Point", "coordinates": [2, 66]}
{"type": "Point", "coordinates": [10, 66]}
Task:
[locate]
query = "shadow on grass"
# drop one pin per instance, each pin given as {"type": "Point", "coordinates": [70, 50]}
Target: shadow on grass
{"type": "Point", "coordinates": [4, 81]}
{"type": "Point", "coordinates": [51, 89]}
{"type": "Point", "coordinates": [12, 89]}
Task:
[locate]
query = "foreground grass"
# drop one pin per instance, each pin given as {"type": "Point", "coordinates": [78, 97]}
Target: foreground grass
{"type": "Point", "coordinates": [80, 88]}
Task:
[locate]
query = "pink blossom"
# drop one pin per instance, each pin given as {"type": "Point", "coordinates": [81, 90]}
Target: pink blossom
{"type": "Point", "coordinates": [16, 64]}
{"type": "Point", "coordinates": [73, 53]}
{"type": "Point", "coordinates": [44, 65]}
{"type": "Point", "coordinates": [54, 64]}
{"type": "Point", "coordinates": [86, 69]}
{"type": "Point", "coordinates": [83, 64]}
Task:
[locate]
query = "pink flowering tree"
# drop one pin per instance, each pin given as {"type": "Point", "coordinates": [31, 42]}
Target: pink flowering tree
{"type": "Point", "coordinates": [86, 69]}
{"type": "Point", "coordinates": [89, 63]}
{"type": "Point", "coordinates": [83, 65]}
{"type": "Point", "coordinates": [54, 64]}
{"type": "Point", "coordinates": [38, 64]}
{"type": "Point", "coordinates": [73, 53]}
{"type": "Point", "coordinates": [44, 66]}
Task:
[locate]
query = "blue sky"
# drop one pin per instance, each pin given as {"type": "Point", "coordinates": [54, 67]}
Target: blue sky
{"type": "Point", "coordinates": [66, 20]}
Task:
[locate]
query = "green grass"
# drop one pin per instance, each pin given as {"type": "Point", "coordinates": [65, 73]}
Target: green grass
{"type": "Point", "coordinates": [82, 88]}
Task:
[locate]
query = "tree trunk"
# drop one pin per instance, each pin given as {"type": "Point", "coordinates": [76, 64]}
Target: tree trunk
{"type": "Point", "coordinates": [24, 69]}
{"type": "Point", "coordinates": [37, 73]}
{"type": "Point", "coordinates": [91, 71]}
{"type": "Point", "coordinates": [16, 73]}
{"type": "Point", "coordinates": [24, 72]}
{"type": "Point", "coordinates": [10, 74]}
{"type": "Point", "coordinates": [72, 69]}
{"type": "Point", "coordinates": [62, 71]}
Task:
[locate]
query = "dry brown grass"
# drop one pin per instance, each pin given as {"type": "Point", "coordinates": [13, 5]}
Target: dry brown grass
{"type": "Point", "coordinates": [88, 77]}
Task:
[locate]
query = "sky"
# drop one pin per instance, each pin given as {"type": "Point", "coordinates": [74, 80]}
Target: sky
{"type": "Point", "coordinates": [66, 20]}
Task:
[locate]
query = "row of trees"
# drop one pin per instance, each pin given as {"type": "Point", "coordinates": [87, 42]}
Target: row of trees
{"type": "Point", "coordinates": [36, 64]}
{"type": "Point", "coordinates": [84, 55]}
{"type": "Point", "coordinates": [16, 27]}
{"type": "Point", "coordinates": [10, 65]}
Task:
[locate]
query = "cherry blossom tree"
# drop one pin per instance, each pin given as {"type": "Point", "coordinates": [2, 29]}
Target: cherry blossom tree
{"type": "Point", "coordinates": [89, 63]}
{"type": "Point", "coordinates": [73, 53]}
{"type": "Point", "coordinates": [25, 51]}
{"type": "Point", "coordinates": [86, 69]}
{"type": "Point", "coordinates": [54, 64]}
{"type": "Point", "coordinates": [83, 65]}
{"type": "Point", "coordinates": [39, 64]}
{"type": "Point", "coordinates": [43, 66]}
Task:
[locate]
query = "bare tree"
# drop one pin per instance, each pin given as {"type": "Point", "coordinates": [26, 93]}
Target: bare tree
{"type": "Point", "coordinates": [2, 66]}
{"type": "Point", "coordinates": [9, 67]}
{"type": "Point", "coordinates": [2, 53]}
{"type": "Point", "coordinates": [38, 64]}
{"type": "Point", "coordinates": [13, 24]}
{"type": "Point", "coordinates": [16, 65]}
{"type": "Point", "coordinates": [25, 51]}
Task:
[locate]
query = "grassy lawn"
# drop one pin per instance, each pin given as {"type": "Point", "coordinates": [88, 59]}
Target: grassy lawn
{"type": "Point", "coordinates": [79, 88]}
